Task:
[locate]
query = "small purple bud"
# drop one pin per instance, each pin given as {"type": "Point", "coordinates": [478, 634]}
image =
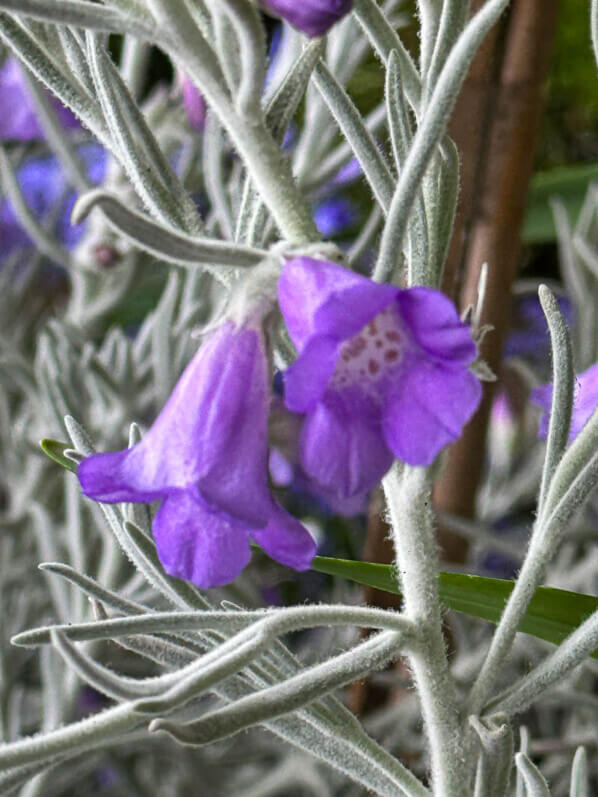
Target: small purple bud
{"type": "Point", "coordinates": [106, 256]}
{"type": "Point", "coordinates": [503, 433]}
{"type": "Point", "coordinates": [334, 215]}
{"type": "Point", "coordinates": [107, 778]}
{"type": "Point", "coordinates": [313, 17]}
{"type": "Point", "coordinates": [195, 105]}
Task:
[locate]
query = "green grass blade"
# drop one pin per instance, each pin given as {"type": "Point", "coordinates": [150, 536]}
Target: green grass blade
{"type": "Point", "coordinates": [552, 614]}
{"type": "Point", "coordinates": [569, 184]}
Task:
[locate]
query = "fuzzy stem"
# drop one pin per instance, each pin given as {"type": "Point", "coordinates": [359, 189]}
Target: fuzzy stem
{"type": "Point", "coordinates": [265, 162]}
{"type": "Point", "coordinates": [408, 496]}
{"type": "Point", "coordinates": [430, 133]}
{"type": "Point", "coordinates": [452, 21]}
{"type": "Point", "coordinates": [429, 20]}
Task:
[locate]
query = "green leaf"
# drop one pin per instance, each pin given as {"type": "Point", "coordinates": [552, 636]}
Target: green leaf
{"type": "Point", "coordinates": [551, 615]}
{"type": "Point", "coordinates": [55, 450]}
{"type": "Point", "coordinates": [569, 184]}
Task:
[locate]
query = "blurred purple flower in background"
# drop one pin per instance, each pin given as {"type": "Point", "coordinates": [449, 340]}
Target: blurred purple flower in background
{"type": "Point", "coordinates": [42, 181]}
{"type": "Point", "coordinates": [281, 470]}
{"type": "Point", "coordinates": [205, 459]}
{"type": "Point", "coordinates": [45, 189]}
{"type": "Point", "coordinates": [334, 213]}
{"type": "Point", "coordinates": [529, 336]}
{"type": "Point", "coordinates": [586, 401]}
{"type": "Point", "coordinates": [195, 104]}
{"type": "Point", "coordinates": [18, 120]}
{"type": "Point", "coordinates": [382, 372]}
{"type": "Point", "coordinates": [497, 564]}
{"type": "Point", "coordinates": [347, 174]}
{"type": "Point", "coordinates": [90, 701]}
{"type": "Point", "coordinates": [276, 50]}
{"type": "Point", "coordinates": [314, 17]}
{"type": "Point", "coordinates": [333, 216]}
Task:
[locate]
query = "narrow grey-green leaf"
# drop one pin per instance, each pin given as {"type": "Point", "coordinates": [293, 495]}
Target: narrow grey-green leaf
{"type": "Point", "coordinates": [165, 243]}
{"type": "Point", "coordinates": [563, 378]}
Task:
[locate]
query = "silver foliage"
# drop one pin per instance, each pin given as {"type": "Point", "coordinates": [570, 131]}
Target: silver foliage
{"type": "Point", "coordinates": [159, 654]}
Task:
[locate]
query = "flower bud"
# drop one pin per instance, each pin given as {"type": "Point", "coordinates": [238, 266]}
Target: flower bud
{"type": "Point", "coordinates": [195, 105]}
{"type": "Point", "coordinates": [314, 17]}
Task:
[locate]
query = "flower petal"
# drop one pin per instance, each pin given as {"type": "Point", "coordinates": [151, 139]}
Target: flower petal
{"type": "Point", "coordinates": [232, 432]}
{"type": "Point", "coordinates": [208, 548]}
{"type": "Point", "coordinates": [318, 297]}
{"type": "Point", "coordinates": [314, 17]}
{"type": "Point", "coordinates": [306, 379]}
{"type": "Point", "coordinates": [117, 476]}
{"type": "Point", "coordinates": [433, 321]}
{"type": "Point", "coordinates": [342, 450]}
{"type": "Point", "coordinates": [427, 409]}
{"type": "Point", "coordinates": [286, 540]}
{"type": "Point", "coordinates": [212, 432]}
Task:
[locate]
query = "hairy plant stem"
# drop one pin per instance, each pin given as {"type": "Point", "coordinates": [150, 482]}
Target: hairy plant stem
{"type": "Point", "coordinates": [408, 497]}
{"type": "Point", "coordinates": [269, 168]}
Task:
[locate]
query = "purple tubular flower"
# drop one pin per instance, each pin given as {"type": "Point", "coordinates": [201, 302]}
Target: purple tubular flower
{"type": "Point", "coordinates": [586, 401]}
{"type": "Point", "coordinates": [195, 105]}
{"type": "Point", "coordinates": [314, 17]}
{"type": "Point", "coordinates": [19, 119]}
{"type": "Point", "coordinates": [381, 373]}
{"type": "Point", "coordinates": [205, 459]}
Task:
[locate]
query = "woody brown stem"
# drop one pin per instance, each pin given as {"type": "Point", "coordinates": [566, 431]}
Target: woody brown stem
{"type": "Point", "coordinates": [491, 221]}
